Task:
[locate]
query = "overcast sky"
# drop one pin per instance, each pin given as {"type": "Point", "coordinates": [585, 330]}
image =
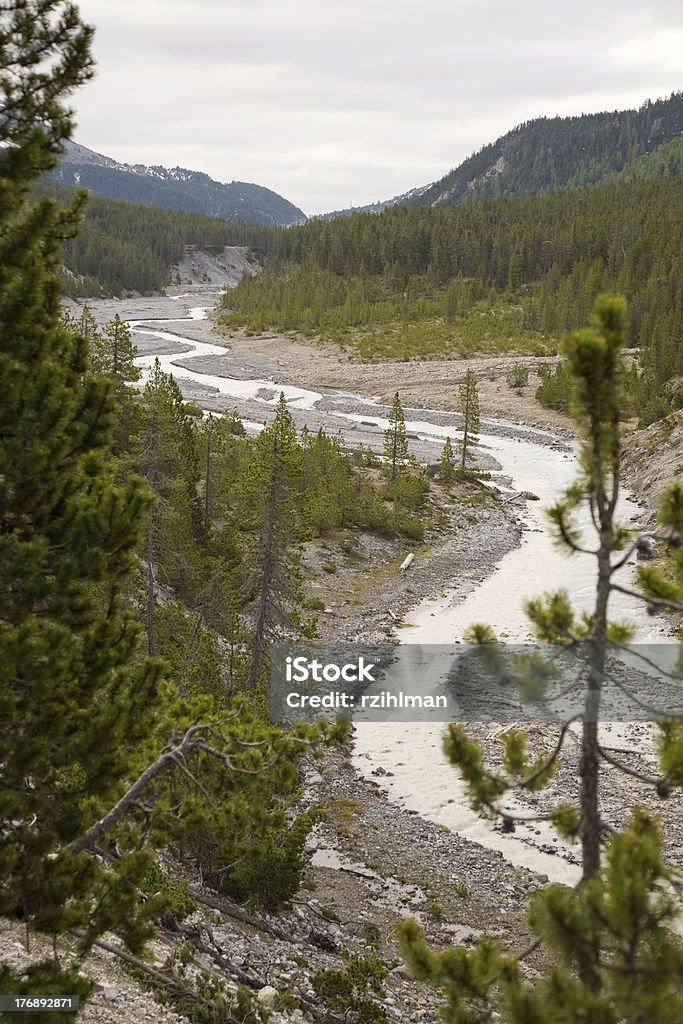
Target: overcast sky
{"type": "Point", "coordinates": [343, 103]}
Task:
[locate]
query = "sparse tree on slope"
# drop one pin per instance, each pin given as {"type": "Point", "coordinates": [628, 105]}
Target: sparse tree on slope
{"type": "Point", "coordinates": [271, 498]}
{"type": "Point", "coordinates": [447, 462]}
{"type": "Point", "coordinates": [395, 440]}
{"type": "Point", "coordinates": [469, 405]}
{"type": "Point", "coordinates": [113, 353]}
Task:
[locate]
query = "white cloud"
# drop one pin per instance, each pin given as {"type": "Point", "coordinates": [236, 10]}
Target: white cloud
{"type": "Point", "coordinates": [323, 101]}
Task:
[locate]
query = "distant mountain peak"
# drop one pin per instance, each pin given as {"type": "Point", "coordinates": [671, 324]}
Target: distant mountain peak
{"type": "Point", "coordinates": [175, 188]}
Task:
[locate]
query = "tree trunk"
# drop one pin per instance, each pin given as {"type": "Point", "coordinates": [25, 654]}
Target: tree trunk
{"type": "Point", "coordinates": [466, 428]}
{"type": "Point", "coordinates": [265, 596]}
{"type": "Point", "coordinates": [151, 592]}
{"type": "Point", "coordinates": [207, 490]}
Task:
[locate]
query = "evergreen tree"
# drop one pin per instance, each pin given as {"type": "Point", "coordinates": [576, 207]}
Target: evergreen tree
{"type": "Point", "coordinates": [85, 325]}
{"type": "Point", "coordinates": [447, 462]}
{"type": "Point", "coordinates": [71, 704]}
{"type": "Point", "coordinates": [271, 502]}
{"type": "Point", "coordinates": [610, 937]}
{"type": "Point", "coordinates": [395, 440]}
{"type": "Point", "coordinates": [469, 405]}
{"type": "Point", "coordinates": [164, 449]}
{"type": "Point", "coordinates": [112, 352]}
{"type": "Point", "coordinates": [329, 496]}
{"type": "Point", "coordinates": [616, 957]}
{"type": "Point", "coordinates": [94, 774]}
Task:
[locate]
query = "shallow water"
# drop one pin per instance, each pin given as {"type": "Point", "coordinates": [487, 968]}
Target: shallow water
{"type": "Point", "coordinates": [231, 386]}
{"type": "Point", "coordinates": [421, 777]}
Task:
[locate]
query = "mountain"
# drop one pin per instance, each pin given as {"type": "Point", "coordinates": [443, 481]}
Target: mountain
{"type": "Point", "coordinates": [174, 188]}
{"type": "Point", "coordinates": [404, 199]}
{"type": "Point", "coordinates": [122, 248]}
{"type": "Point", "coordinates": [665, 161]}
{"type": "Point", "coordinates": [550, 154]}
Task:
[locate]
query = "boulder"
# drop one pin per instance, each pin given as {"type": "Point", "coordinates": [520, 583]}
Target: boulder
{"type": "Point", "coordinates": [267, 995]}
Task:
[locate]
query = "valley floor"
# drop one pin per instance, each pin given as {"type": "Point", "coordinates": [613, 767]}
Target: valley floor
{"type": "Point", "coordinates": [373, 862]}
{"type": "Point", "coordinates": [426, 384]}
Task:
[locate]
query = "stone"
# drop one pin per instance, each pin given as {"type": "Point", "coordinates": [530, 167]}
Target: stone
{"type": "Point", "coordinates": [267, 995]}
{"type": "Point", "coordinates": [109, 992]}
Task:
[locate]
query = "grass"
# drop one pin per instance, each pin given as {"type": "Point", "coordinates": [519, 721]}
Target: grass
{"type": "Point", "coordinates": [480, 332]}
{"type": "Point", "coordinates": [345, 814]}
{"type": "Point", "coordinates": [398, 334]}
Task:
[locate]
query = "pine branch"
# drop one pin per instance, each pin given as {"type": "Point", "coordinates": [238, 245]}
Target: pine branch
{"type": "Point", "coordinates": [651, 780]}
{"type": "Point", "coordinates": [658, 602]}
{"type": "Point", "coordinates": [169, 758]}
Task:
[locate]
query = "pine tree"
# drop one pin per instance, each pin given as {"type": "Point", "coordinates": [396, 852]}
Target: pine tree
{"type": "Point", "coordinates": [112, 352]}
{"type": "Point", "coordinates": [328, 496]}
{"type": "Point", "coordinates": [71, 705]}
{"type": "Point", "coordinates": [93, 766]}
{"type": "Point", "coordinates": [395, 440]}
{"type": "Point", "coordinates": [447, 462]}
{"type": "Point", "coordinates": [616, 957]}
{"type": "Point", "coordinates": [85, 325]}
{"type": "Point", "coordinates": [164, 449]}
{"type": "Point", "coordinates": [469, 405]}
{"type": "Point", "coordinates": [610, 937]}
{"type": "Point", "coordinates": [271, 500]}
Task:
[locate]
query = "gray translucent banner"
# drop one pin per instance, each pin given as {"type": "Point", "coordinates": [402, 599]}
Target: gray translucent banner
{"type": "Point", "coordinates": [467, 683]}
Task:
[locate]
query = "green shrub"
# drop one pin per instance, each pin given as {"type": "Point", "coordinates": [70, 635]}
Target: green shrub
{"type": "Point", "coordinates": [346, 990]}
{"type": "Point", "coordinates": [518, 377]}
{"type": "Point", "coordinates": [176, 896]}
{"type": "Point", "coordinates": [554, 391]}
{"type": "Point", "coordinates": [408, 492]}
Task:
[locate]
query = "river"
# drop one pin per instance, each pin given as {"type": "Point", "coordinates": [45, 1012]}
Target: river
{"type": "Point", "coordinates": [417, 774]}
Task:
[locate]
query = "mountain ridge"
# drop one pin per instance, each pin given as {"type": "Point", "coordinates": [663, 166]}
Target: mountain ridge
{"type": "Point", "coordinates": [176, 188]}
{"type": "Point", "coordinates": [546, 155]}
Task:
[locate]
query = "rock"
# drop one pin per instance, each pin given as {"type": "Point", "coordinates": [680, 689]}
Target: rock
{"type": "Point", "coordinates": [267, 995]}
{"type": "Point", "coordinates": [646, 548]}
{"type": "Point", "coordinates": [109, 992]}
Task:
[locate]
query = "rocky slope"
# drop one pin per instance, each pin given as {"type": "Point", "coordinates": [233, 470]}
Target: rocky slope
{"type": "Point", "coordinates": [653, 456]}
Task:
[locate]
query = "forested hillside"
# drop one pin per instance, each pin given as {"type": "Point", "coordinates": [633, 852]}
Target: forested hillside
{"type": "Point", "coordinates": [549, 154]}
{"type": "Point", "coordinates": [176, 188]}
{"type": "Point", "coordinates": [122, 247]}
{"type": "Point", "coordinates": [666, 160]}
{"type": "Point", "coordinates": [497, 275]}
